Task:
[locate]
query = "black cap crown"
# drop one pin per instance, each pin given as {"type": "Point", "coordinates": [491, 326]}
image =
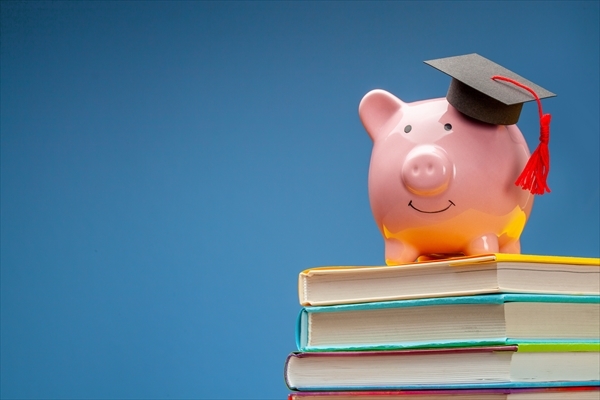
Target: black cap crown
{"type": "Point", "coordinates": [473, 92]}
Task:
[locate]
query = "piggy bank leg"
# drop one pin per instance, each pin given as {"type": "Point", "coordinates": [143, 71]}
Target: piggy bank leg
{"type": "Point", "coordinates": [397, 252]}
{"type": "Point", "coordinates": [484, 244]}
{"type": "Point", "coordinates": [511, 248]}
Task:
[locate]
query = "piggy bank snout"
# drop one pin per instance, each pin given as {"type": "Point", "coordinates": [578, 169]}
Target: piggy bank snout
{"type": "Point", "coordinates": [427, 171]}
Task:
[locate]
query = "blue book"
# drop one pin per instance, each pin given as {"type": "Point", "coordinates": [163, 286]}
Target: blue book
{"type": "Point", "coordinates": [482, 320]}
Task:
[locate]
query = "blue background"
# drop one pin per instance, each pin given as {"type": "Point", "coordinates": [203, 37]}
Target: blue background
{"type": "Point", "coordinates": [169, 168]}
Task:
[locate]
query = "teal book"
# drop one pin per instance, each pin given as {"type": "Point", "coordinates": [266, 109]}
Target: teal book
{"type": "Point", "coordinates": [486, 367]}
{"type": "Point", "coordinates": [482, 320]}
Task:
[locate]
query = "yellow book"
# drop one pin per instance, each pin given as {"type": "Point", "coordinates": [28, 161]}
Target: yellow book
{"type": "Point", "coordinates": [460, 276]}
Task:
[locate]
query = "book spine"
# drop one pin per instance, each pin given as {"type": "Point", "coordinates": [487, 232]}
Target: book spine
{"type": "Point", "coordinates": [302, 292]}
{"type": "Point", "coordinates": [286, 375]}
{"type": "Point", "coordinates": [302, 330]}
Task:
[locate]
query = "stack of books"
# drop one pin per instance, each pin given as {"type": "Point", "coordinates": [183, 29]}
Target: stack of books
{"type": "Point", "coordinates": [499, 326]}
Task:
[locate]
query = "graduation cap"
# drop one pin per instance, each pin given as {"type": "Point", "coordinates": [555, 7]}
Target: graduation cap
{"type": "Point", "coordinates": [474, 93]}
{"type": "Point", "coordinates": [488, 92]}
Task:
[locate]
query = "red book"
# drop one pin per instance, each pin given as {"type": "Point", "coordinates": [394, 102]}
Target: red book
{"type": "Point", "coordinates": [559, 393]}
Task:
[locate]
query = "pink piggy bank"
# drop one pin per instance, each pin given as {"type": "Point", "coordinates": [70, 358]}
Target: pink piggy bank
{"type": "Point", "coordinates": [442, 182]}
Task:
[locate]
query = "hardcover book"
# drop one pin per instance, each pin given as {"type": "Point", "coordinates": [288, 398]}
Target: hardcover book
{"type": "Point", "coordinates": [493, 273]}
{"type": "Point", "coordinates": [448, 368]}
{"type": "Point", "coordinates": [450, 321]}
{"type": "Point", "coordinates": [552, 393]}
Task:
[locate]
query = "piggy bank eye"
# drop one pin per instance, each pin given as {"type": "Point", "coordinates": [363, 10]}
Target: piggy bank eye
{"type": "Point", "coordinates": [407, 128]}
{"type": "Point", "coordinates": [448, 127]}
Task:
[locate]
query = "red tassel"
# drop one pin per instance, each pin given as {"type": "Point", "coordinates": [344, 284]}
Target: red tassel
{"type": "Point", "coordinates": [535, 173]}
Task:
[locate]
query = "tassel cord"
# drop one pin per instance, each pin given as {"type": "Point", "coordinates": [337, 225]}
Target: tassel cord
{"type": "Point", "coordinates": [535, 173]}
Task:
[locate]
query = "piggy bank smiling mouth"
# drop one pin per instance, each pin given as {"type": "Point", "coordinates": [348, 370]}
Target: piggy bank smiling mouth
{"type": "Point", "coordinates": [410, 204]}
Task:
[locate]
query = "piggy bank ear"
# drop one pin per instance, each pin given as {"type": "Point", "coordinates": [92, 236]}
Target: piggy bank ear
{"type": "Point", "coordinates": [377, 109]}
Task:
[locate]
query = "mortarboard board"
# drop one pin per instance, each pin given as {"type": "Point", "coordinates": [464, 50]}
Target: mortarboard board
{"type": "Point", "coordinates": [474, 93]}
